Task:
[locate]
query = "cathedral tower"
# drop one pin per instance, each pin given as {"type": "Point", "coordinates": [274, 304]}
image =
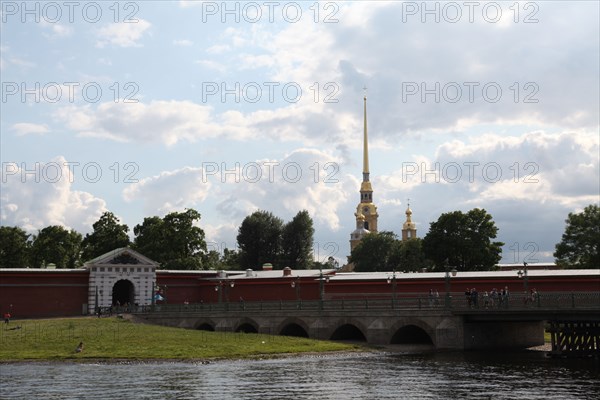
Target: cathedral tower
{"type": "Point", "coordinates": [409, 229]}
{"type": "Point", "coordinates": [366, 212]}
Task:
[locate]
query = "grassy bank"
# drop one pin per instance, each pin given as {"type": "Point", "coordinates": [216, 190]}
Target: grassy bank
{"type": "Point", "coordinates": [112, 338]}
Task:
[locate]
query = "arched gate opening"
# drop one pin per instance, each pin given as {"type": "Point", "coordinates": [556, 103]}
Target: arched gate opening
{"type": "Point", "coordinates": [123, 293]}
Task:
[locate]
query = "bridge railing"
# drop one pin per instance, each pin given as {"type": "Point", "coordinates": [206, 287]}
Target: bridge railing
{"type": "Point", "coordinates": [452, 302]}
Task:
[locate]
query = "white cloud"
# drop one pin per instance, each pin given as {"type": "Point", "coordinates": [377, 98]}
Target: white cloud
{"type": "Point", "coordinates": [122, 34]}
{"type": "Point", "coordinates": [306, 179]}
{"type": "Point", "coordinates": [25, 128]}
{"type": "Point", "coordinates": [218, 49]}
{"type": "Point", "coordinates": [162, 121]}
{"type": "Point", "coordinates": [183, 43]}
{"type": "Point", "coordinates": [170, 122]}
{"type": "Point", "coordinates": [169, 191]}
{"type": "Point", "coordinates": [211, 64]}
{"type": "Point", "coordinates": [19, 62]}
{"type": "Point", "coordinates": [42, 195]}
{"type": "Point", "coordinates": [56, 30]}
{"type": "Point", "coordinates": [542, 178]}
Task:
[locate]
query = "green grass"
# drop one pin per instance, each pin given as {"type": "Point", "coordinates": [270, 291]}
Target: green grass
{"type": "Point", "coordinates": [112, 338]}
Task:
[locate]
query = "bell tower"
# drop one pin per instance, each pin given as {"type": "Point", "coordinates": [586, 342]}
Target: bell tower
{"type": "Point", "coordinates": [409, 229]}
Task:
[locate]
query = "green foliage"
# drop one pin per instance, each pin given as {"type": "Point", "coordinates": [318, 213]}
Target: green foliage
{"type": "Point", "coordinates": [111, 338]}
{"type": "Point", "coordinates": [14, 247]}
{"type": "Point", "coordinates": [376, 252]}
{"type": "Point", "coordinates": [108, 235]}
{"type": "Point", "coordinates": [230, 259]}
{"type": "Point", "coordinates": [173, 241]}
{"type": "Point", "coordinates": [297, 241]}
{"type": "Point", "coordinates": [150, 238]}
{"type": "Point", "coordinates": [263, 238]}
{"type": "Point", "coordinates": [259, 239]}
{"type": "Point", "coordinates": [580, 243]}
{"type": "Point", "coordinates": [463, 241]}
{"type": "Point", "coordinates": [55, 244]}
{"type": "Point", "coordinates": [410, 255]}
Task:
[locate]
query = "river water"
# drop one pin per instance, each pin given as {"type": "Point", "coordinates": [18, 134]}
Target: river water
{"type": "Point", "coordinates": [384, 375]}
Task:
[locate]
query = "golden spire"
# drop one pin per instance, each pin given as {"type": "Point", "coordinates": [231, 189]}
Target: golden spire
{"type": "Point", "coordinates": [366, 143]}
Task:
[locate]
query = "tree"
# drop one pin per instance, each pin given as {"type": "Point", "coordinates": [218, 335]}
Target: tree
{"type": "Point", "coordinates": [108, 235]}
{"type": "Point", "coordinates": [149, 238]}
{"type": "Point", "coordinates": [297, 241]}
{"type": "Point", "coordinates": [14, 247]}
{"type": "Point", "coordinates": [410, 255]}
{"type": "Point", "coordinates": [54, 244]}
{"type": "Point", "coordinates": [464, 241]}
{"type": "Point", "coordinates": [173, 241]}
{"type": "Point", "coordinates": [230, 259]}
{"type": "Point", "coordinates": [376, 252]}
{"type": "Point", "coordinates": [580, 243]}
{"type": "Point", "coordinates": [259, 239]}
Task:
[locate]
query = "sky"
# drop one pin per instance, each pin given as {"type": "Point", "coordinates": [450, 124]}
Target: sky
{"type": "Point", "coordinates": [143, 108]}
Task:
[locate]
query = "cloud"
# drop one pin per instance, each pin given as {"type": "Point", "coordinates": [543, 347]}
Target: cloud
{"type": "Point", "coordinates": [25, 128]}
{"type": "Point", "coordinates": [34, 197]}
{"type": "Point", "coordinates": [169, 191]}
{"type": "Point", "coordinates": [211, 64]}
{"type": "Point", "coordinates": [161, 121]}
{"type": "Point", "coordinates": [170, 122]}
{"type": "Point", "coordinates": [183, 43]}
{"type": "Point", "coordinates": [305, 179]}
{"type": "Point", "coordinates": [122, 34]}
{"type": "Point", "coordinates": [56, 30]}
{"type": "Point", "coordinates": [528, 183]}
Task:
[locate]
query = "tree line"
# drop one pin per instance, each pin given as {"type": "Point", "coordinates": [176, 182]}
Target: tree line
{"type": "Point", "coordinates": [174, 241]}
{"type": "Point", "coordinates": [465, 241]}
{"type": "Point", "coordinates": [460, 240]}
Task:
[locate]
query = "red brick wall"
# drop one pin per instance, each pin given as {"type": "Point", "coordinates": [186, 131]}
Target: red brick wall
{"type": "Point", "coordinates": [43, 293]}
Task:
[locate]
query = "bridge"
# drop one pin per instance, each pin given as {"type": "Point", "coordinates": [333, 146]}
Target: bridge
{"type": "Point", "coordinates": [454, 323]}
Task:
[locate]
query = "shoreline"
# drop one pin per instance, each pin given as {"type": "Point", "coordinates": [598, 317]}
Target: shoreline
{"type": "Point", "coordinates": [367, 351]}
{"type": "Point", "coordinates": [205, 361]}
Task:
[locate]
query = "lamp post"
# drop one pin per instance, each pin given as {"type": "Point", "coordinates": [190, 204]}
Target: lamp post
{"type": "Point", "coordinates": [449, 272]}
{"type": "Point", "coordinates": [523, 274]}
{"type": "Point", "coordinates": [296, 284]}
{"type": "Point", "coordinates": [322, 281]}
{"type": "Point", "coordinates": [321, 288]}
{"type": "Point", "coordinates": [392, 280]}
{"type": "Point", "coordinates": [219, 289]}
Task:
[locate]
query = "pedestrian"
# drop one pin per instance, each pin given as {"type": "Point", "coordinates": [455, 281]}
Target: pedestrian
{"type": "Point", "coordinates": [7, 317]}
{"type": "Point", "coordinates": [474, 298]}
{"type": "Point", "coordinates": [79, 348]}
{"type": "Point", "coordinates": [486, 299]}
{"type": "Point", "coordinates": [505, 296]}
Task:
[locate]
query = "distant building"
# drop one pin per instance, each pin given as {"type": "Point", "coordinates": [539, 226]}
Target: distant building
{"type": "Point", "coordinates": [366, 212]}
{"type": "Point", "coordinates": [409, 229]}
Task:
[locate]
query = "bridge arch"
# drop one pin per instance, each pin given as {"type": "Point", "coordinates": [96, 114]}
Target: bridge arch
{"type": "Point", "coordinates": [246, 325]}
{"type": "Point", "coordinates": [205, 325]}
{"type": "Point", "coordinates": [293, 327]}
{"type": "Point", "coordinates": [349, 330]}
{"type": "Point", "coordinates": [412, 331]}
